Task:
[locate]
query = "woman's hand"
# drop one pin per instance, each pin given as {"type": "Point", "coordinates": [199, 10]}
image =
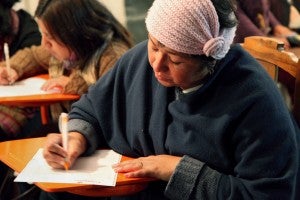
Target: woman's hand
{"type": "Point", "coordinates": [55, 154]}
{"type": "Point", "coordinates": [56, 84]}
{"type": "Point", "coordinates": [159, 167]}
{"type": "Point", "coordinates": [282, 31]}
{"type": "Point", "coordinates": [6, 77]}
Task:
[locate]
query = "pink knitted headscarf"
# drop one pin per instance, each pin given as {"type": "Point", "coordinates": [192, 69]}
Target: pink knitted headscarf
{"type": "Point", "coordinates": [189, 26]}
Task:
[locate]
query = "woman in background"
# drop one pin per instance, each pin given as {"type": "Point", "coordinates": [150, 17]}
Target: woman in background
{"type": "Point", "coordinates": [257, 19]}
{"type": "Point", "coordinates": [81, 40]}
{"type": "Point", "coordinates": [19, 30]}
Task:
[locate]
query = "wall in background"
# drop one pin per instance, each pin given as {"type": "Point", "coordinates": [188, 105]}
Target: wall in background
{"type": "Point", "coordinates": [117, 7]}
{"type": "Point", "coordinates": [136, 11]}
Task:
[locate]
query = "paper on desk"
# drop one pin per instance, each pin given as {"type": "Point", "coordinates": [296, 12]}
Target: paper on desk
{"type": "Point", "coordinates": [94, 170]}
{"type": "Point", "coordinates": [29, 86]}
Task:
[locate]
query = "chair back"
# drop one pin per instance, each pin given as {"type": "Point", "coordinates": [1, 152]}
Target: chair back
{"type": "Point", "coordinates": [271, 54]}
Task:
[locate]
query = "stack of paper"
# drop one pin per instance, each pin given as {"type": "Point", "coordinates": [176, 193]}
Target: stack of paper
{"type": "Point", "coordinates": [94, 170]}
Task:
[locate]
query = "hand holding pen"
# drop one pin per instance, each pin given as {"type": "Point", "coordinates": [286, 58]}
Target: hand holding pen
{"type": "Point", "coordinates": [7, 74]}
{"type": "Point", "coordinates": [63, 127]}
{"type": "Point", "coordinates": [4, 77]}
{"type": "Point", "coordinates": [54, 153]}
{"type": "Point", "coordinates": [7, 61]}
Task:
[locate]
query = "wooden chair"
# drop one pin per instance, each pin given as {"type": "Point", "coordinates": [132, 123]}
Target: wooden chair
{"type": "Point", "coordinates": [271, 54]}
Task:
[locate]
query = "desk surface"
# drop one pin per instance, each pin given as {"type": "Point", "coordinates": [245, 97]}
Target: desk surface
{"type": "Point", "coordinates": [41, 100]}
{"type": "Point", "coordinates": [37, 100]}
{"type": "Point", "coordinates": [17, 153]}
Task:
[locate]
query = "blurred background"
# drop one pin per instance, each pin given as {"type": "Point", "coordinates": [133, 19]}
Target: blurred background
{"type": "Point", "coordinates": [131, 13]}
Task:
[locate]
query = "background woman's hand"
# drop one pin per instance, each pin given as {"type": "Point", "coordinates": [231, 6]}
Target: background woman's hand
{"type": "Point", "coordinates": [56, 84]}
{"type": "Point", "coordinates": [282, 31]}
{"type": "Point", "coordinates": [159, 167]}
{"type": "Point", "coordinates": [7, 78]}
{"type": "Point", "coordinates": [55, 154]}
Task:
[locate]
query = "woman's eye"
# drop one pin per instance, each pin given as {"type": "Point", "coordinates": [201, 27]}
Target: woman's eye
{"type": "Point", "coordinates": [175, 62]}
{"type": "Point", "coordinates": [155, 49]}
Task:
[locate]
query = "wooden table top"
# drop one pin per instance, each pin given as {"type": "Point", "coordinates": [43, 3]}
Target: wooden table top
{"type": "Point", "coordinates": [17, 153]}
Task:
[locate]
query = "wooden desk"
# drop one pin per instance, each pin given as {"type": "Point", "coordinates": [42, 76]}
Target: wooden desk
{"type": "Point", "coordinates": [17, 153]}
{"type": "Point", "coordinates": [41, 100]}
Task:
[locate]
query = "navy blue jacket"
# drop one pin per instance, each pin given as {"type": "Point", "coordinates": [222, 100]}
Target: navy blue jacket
{"type": "Point", "coordinates": [235, 134]}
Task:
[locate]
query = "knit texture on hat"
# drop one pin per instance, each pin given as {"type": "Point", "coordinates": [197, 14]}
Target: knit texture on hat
{"type": "Point", "coordinates": [189, 26]}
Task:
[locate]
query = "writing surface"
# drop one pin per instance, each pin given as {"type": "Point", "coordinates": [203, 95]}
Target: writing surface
{"type": "Point", "coordinates": [94, 170]}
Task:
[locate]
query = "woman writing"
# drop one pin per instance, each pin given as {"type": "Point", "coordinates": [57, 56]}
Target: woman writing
{"type": "Point", "coordinates": [81, 40]}
{"type": "Point", "coordinates": [201, 116]}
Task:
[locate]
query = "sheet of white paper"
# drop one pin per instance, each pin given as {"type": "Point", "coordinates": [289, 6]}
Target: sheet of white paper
{"type": "Point", "coordinates": [29, 86]}
{"type": "Point", "coordinates": [94, 170]}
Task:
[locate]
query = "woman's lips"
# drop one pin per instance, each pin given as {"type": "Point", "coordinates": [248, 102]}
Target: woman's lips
{"type": "Point", "coordinates": [162, 78]}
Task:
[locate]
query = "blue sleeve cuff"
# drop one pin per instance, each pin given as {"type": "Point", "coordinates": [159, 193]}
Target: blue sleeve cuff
{"type": "Point", "coordinates": [87, 130]}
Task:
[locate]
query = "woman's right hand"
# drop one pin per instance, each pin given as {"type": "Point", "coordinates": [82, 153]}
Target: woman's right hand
{"type": "Point", "coordinates": [55, 154]}
{"type": "Point", "coordinates": [6, 77]}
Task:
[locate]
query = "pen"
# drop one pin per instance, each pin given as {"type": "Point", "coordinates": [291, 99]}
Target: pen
{"type": "Point", "coordinates": [63, 126]}
{"type": "Point", "coordinates": [6, 53]}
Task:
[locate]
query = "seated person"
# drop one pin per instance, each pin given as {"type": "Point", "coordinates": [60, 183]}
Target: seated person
{"type": "Point", "coordinates": [19, 30]}
{"type": "Point", "coordinates": [256, 19]}
{"type": "Point", "coordinates": [198, 113]}
{"type": "Point", "coordinates": [74, 59]}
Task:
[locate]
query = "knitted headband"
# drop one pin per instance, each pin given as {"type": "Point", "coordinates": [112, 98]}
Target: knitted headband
{"type": "Point", "coordinates": [189, 26]}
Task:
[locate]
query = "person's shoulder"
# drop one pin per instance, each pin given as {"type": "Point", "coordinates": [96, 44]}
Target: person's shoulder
{"type": "Point", "coordinates": [27, 21]}
{"type": "Point", "coordinates": [134, 61]}
{"type": "Point", "coordinates": [237, 51]}
{"type": "Point", "coordinates": [239, 61]}
{"type": "Point", "coordinates": [139, 46]}
{"type": "Point", "coordinates": [137, 52]}
{"type": "Point", "coordinates": [23, 13]}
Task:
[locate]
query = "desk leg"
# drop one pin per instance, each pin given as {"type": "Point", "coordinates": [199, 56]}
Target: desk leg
{"type": "Point", "coordinates": [44, 114]}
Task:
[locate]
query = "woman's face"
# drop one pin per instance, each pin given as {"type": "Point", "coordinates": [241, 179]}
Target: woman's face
{"type": "Point", "coordinates": [172, 68]}
{"type": "Point", "coordinates": [57, 49]}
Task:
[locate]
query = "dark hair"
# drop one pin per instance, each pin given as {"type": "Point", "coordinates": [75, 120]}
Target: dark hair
{"type": "Point", "coordinates": [226, 10]}
{"type": "Point", "coordinates": [8, 3]}
{"type": "Point", "coordinates": [81, 25]}
{"type": "Point", "coordinates": [5, 17]}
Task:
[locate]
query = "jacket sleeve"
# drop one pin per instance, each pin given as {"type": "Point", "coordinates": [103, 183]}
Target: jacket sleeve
{"type": "Point", "coordinates": [191, 172]}
{"type": "Point", "coordinates": [31, 61]}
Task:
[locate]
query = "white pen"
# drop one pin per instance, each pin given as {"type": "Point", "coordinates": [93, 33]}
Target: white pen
{"type": "Point", "coordinates": [63, 127]}
{"type": "Point", "coordinates": [6, 53]}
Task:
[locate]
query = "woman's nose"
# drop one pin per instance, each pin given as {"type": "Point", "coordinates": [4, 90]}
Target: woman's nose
{"type": "Point", "coordinates": [159, 63]}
